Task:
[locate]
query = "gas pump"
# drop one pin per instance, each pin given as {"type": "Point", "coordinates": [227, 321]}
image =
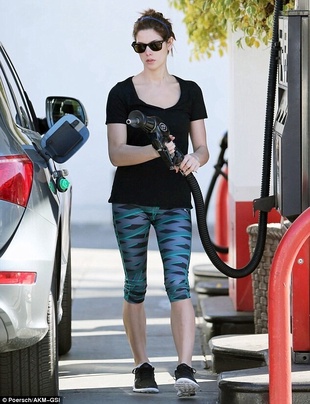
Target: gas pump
{"type": "Point", "coordinates": [291, 130]}
{"type": "Point", "coordinates": [291, 156]}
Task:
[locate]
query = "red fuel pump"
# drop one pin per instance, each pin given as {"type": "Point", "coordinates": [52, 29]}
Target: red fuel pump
{"type": "Point", "coordinates": [221, 215]}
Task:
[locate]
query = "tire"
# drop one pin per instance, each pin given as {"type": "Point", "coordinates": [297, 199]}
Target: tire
{"type": "Point", "coordinates": [33, 371]}
{"type": "Point", "coordinates": [64, 327]}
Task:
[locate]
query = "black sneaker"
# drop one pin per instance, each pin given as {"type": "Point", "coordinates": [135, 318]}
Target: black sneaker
{"type": "Point", "coordinates": [144, 379]}
{"type": "Point", "coordinates": [185, 383]}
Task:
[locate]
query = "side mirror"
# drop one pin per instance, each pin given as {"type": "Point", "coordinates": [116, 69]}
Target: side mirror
{"type": "Point", "coordinates": [57, 107]}
{"type": "Point", "coordinates": [64, 138]}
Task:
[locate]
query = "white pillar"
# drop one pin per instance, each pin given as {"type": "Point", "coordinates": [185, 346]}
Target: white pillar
{"type": "Point", "coordinates": [247, 104]}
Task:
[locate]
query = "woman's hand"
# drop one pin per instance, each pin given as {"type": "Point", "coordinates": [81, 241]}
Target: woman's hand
{"type": "Point", "coordinates": [170, 145]}
{"type": "Point", "coordinates": [189, 164]}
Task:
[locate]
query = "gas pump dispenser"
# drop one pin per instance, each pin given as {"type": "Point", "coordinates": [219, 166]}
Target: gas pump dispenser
{"type": "Point", "coordinates": [291, 156]}
{"type": "Point", "coordinates": [292, 130]}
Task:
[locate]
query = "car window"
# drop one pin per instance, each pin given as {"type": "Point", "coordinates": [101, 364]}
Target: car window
{"type": "Point", "coordinates": [14, 93]}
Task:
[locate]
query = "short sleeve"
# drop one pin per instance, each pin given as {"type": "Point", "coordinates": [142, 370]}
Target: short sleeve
{"type": "Point", "coordinates": [116, 107]}
{"type": "Point", "coordinates": [198, 110]}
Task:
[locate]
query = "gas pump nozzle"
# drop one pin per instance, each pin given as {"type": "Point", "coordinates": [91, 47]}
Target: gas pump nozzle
{"type": "Point", "coordinates": [137, 119]}
{"type": "Point", "coordinates": [159, 135]}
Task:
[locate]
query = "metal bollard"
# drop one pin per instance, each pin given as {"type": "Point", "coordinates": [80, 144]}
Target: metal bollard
{"type": "Point", "coordinates": [280, 379]}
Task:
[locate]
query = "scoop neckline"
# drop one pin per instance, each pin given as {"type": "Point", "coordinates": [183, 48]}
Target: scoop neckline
{"type": "Point", "coordinates": [156, 106]}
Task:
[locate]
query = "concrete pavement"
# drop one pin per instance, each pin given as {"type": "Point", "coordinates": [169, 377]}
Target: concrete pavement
{"type": "Point", "coordinates": [98, 367]}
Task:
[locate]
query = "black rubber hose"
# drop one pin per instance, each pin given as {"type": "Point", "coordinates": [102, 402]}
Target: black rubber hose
{"type": "Point", "coordinates": [266, 168]}
{"type": "Point", "coordinates": [218, 171]}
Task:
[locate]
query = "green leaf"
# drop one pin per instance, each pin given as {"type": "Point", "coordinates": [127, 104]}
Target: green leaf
{"type": "Point", "coordinates": [207, 22]}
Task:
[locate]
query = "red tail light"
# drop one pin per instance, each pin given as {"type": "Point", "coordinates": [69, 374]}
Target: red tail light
{"type": "Point", "coordinates": [17, 278]}
{"type": "Point", "coordinates": [16, 173]}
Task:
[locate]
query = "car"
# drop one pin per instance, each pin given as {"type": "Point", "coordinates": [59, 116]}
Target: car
{"type": "Point", "coordinates": [35, 248]}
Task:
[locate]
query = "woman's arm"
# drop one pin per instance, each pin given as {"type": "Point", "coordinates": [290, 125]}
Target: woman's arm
{"type": "Point", "coordinates": [122, 154]}
{"type": "Point", "coordinates": [200, 156]}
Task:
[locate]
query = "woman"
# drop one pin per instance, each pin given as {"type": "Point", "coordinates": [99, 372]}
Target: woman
{"type": "Point", "coordinates": [145, 192]}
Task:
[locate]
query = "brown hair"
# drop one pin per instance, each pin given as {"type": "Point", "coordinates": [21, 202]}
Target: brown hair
{"type": "Point", "coordinates": [152, 19]}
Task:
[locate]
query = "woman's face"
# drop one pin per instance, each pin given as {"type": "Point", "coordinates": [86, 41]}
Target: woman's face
{"type": "Point", "coordinates": [153, 59]}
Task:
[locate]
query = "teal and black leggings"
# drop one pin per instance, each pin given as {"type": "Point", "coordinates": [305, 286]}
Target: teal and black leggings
{"type": "Point", "coordinates": [174, 235]}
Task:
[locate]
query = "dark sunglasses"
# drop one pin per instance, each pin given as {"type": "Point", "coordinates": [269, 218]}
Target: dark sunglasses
{"type": "Point", "coordinates": [140, 47]}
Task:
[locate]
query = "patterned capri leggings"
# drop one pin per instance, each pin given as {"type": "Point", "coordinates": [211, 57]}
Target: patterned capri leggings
{"type": "Point", "coordinates": [174, 236]}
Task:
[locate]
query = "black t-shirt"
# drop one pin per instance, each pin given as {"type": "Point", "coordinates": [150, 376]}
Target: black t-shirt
{"type": "Point", "coordinates": [152, 183]}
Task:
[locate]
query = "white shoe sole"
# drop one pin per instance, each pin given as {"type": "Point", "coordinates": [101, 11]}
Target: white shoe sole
{"type": "Point", "coordinates": [186, 387]}
{"type": "Point", "coordinates": [149, 390]}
